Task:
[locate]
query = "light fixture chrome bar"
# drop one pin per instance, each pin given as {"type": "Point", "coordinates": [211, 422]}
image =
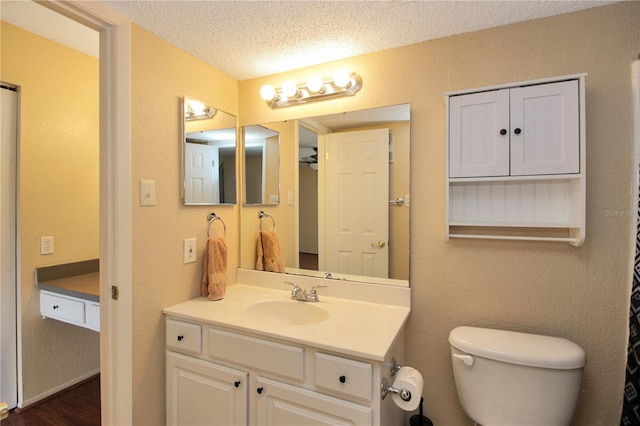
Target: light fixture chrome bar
{"type": "Point", "coordinates": [329, 90]}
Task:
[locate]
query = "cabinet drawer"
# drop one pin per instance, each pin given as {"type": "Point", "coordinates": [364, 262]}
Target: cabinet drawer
{"type": "Point", "coordinates": [93, 316]}
{"type": "Point", "coordinates": [346, 377]}
{"type": "Point", "coordinates": [184, 337]}
{"type": "Point", "coordinates": [62, 308]}
{"type": "Point", "coordinates": [272, 357]}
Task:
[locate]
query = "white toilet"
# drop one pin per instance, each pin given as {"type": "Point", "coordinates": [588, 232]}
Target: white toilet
{"type": "Point", "coordinates": [509, 378]}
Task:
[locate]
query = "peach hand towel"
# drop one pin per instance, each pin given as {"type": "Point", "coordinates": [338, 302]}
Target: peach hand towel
{"type": "Point", "coordinates": [214, 273]}
{"type": "Point", "coordinates": [268, 250]}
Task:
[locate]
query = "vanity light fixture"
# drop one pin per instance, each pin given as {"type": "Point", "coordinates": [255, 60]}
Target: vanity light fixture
{"type": "Point", "coordinates": [316, 88]}
{"type": "Point", "coordinates": [196, 110]}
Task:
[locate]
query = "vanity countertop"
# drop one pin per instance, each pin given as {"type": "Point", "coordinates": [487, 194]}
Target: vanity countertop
{"type": "Point", "coordinates": [360, 329]}
{"type": "Point", "coordinates": [86, 286]}
{"type": "Point", "coordinates": [78, 279]}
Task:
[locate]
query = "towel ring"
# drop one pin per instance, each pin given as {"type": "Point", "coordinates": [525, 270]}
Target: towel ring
{"type": "Point", "coordinates": [212, 217]}
{"type": "Point", "coordinates": [262, 215]}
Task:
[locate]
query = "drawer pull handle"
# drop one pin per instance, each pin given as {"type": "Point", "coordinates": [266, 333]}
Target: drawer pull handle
{"type": "Point", "coordinates": [55, 306]}
{"type": "Point", "coordinates": [503, 132]}
{"type": "Point", "coordinates": [260, 389]}
{"type": "Point", "coordinates": [517, 131]}
{"type": "Point", "coordinates": [236, 383]}
{"type": "Point", "coordinates": [343, 379]}
{"type": "Point", "coordinates": [180, 338]}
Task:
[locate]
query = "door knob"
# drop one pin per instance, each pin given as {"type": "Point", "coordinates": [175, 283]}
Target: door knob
{"type": "Point", "coordinates": [379, 244]}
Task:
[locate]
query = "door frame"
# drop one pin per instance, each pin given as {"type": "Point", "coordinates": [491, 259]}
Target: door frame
{"type": "Point", "coordinates": [115, 202]}
{"type": "Point", "coordinates": [9, 320]}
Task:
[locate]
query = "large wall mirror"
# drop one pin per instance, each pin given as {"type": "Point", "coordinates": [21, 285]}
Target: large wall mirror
{"type": "Point", "coordinates": [261, 165]}
{"type": "Point", "coordinates": [209, 148]}
{"type": "Point", "coordinates": [352, 203]}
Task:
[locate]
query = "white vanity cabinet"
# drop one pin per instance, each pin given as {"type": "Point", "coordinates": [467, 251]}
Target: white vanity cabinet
{"type": "Point", "coordinates": [516, 161]}
{"type": "Point", "coordinates": [218, 376]}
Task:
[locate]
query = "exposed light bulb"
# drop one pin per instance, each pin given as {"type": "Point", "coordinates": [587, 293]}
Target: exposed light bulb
{"type": "Point", "coordinates": [315, 83]}
{"type": "Point", "coordinates": [342, 77]}
{"type": "Point", "coordinates": [197, 107]}
{"type": "Point", "coordinates": [267, 92]}
{"type": "Point", "coordinates": [290, 89]}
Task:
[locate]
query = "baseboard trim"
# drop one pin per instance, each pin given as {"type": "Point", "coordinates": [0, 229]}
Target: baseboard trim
{"type": "Point", "coordinates": [52, 393]}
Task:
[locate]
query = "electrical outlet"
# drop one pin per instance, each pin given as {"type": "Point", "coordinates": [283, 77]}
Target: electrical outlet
{"type": "Point", "coordinates": [46, 245]}
{"type": "Point", "coordinates": [189, 250]}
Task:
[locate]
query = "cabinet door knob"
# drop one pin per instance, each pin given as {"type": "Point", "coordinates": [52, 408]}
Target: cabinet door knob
{"type": "Point", "coordinates": [517, 131]}
{"type": "Point", "coordinates": [180, 338]}
{"type": "Point", "coordinates": [236, 383]}
{"type": "Point", "coordinates": [260, 389]}
{"type": "Point", "coordinates": [343, 379]}
{"type": "Point", "coordinates": [503, 132]}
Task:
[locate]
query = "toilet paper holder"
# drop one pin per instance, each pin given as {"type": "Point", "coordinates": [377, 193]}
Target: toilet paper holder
{"type": "Point", "coordinates": [395, 367]}
{"type": "Point", "coordinates": [386, 389]}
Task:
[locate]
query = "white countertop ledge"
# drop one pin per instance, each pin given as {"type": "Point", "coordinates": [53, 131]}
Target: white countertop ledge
{"type": "Point", "coordinates": [356, 328]}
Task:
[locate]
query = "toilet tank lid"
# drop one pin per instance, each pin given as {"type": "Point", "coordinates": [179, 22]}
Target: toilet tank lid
{"type": "Point", "coordinates": [518, 348]}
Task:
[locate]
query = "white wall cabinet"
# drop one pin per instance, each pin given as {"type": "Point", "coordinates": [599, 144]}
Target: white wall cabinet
{"type": "Point", "coordinates": [221, 377]}
{"type": "Point", "coordinates": [516, 161]}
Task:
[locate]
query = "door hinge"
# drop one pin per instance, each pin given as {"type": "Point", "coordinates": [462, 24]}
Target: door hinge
{"type": "Point", "coordinates": [114, 292]}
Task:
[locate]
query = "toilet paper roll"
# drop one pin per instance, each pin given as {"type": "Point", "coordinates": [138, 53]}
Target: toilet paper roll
{"type": "Point", "coordinates": [410, 379]}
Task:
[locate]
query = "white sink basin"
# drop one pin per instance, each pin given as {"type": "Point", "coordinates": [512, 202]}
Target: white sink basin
{"type": "Point", "coordinates": [288, 312]}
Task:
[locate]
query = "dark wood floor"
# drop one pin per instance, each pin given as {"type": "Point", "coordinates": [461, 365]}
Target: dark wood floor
{"type": "Point", "coordinates": [308, 261]}
{"type": "Point", "coordinates": [79, 405]}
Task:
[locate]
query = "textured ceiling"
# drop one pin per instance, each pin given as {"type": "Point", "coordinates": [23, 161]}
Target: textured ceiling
{"type": "Point", "coordinates": [248, 39]}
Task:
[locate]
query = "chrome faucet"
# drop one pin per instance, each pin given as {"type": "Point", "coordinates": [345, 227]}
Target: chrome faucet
{"type": "Point", "coordinates": [300, 294]}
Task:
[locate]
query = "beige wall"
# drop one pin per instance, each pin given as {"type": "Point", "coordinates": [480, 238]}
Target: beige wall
{"type": "Point", "coordinates": [548, 288]}
{"type": "Point", "coordinates": [58, 183]}
{"type": "Point", "coordinates": [161, 74]}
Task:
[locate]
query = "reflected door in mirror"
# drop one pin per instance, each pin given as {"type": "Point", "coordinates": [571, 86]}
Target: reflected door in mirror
{"type": "Point", "coordinates": [209, 148]}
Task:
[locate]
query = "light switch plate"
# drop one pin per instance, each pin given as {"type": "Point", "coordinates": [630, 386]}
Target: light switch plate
{"type": "Point", "coordinates": [147, 193]}
{"type": "Point", "coordinates": [189, 250]}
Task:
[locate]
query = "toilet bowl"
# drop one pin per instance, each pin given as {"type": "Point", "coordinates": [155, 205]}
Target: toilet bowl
{"type": "Point", "coordinates": [509, 378]}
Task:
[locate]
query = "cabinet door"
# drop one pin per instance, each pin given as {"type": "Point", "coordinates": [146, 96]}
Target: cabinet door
{"type": "Point", "coordinates": [279, 404]}
{"type": "Point", "coordinates": [479, 134]}
{"type": "Point", "coordinates": [204, 393]}
{"type": "Point", "coordinates": [545, 136]}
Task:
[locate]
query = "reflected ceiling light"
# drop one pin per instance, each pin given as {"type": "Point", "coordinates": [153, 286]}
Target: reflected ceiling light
{"type": "Point", "coordinates": [343, 83]}
{"type": "Point", "coordinates": [196, 110]}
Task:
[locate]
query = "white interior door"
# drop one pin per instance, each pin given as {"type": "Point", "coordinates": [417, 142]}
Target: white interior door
{"type": "Point", "coordinates": [357, 203]}
{"type": "Point", "coordinates": [201, 178]}
{"type": "Point", "coordinates": [8, 320]}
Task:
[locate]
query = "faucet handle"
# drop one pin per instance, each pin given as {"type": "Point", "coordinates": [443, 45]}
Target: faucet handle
{"type": "Point", "coordinates": [313, 289]}
{"type": "Point", "coordinates": [295, 286]}
{"type": "Point", "coordinates": [295, 290]}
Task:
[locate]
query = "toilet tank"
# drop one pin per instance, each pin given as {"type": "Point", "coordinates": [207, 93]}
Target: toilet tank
{"type": "Point", "coordinates": [504, 377]}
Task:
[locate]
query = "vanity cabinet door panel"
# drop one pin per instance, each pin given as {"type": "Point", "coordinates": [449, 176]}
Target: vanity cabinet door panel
{"type": "Point", "coordinates": [282, 404]}
{"type": "Point", "coordinates": [545, 135]}
{"type": "Point", "coordinates": [479, 134]}
{"type": "Point", "coordinates": [204, 393]}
